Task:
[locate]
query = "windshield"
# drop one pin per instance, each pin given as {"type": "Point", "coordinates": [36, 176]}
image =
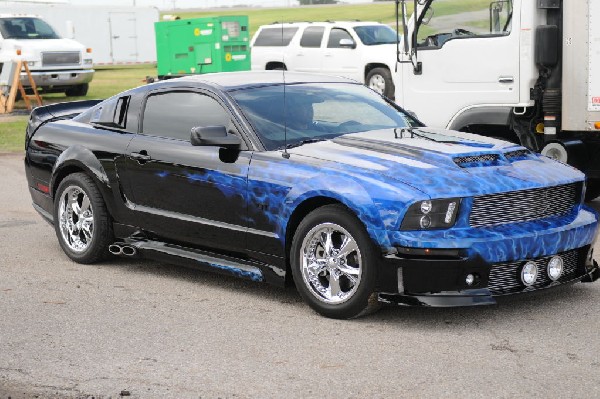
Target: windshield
{"type": "Point", "coordinates": [376, 34]}
{"type": "Point", "coordinates": [26, 28]}
{"type": "Point", "coordinates": [315, 112]}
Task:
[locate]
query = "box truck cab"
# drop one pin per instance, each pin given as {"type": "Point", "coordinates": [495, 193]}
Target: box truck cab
{"type": "Point", "coordinates": [523, 70]}
{"type": "Point", "coordinates": [56, 64]}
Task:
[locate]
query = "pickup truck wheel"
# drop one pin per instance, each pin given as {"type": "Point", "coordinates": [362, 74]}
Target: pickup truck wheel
{"type": "Point", "coordinates": [77, 91]}
{"type": "Point", "coordinates": [81, 221]}
{"type": "Point", "coordinates": [380, 80]}
{"type": "Point", "coordinates": [334, 263]}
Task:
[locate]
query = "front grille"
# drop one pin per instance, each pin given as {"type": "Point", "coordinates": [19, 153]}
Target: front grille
{"type": "Point", "coordinates": [476, 160]}
{"type": "Point", "coordinates": [505, 278]}
{"type": "Point", "coordinates": [524, 205]}
{"type": "Point", "coordinates": [56, 58]}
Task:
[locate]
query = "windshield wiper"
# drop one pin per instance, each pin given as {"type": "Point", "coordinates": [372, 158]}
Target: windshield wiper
{"type": "Point", "coordinates": [302, 142]}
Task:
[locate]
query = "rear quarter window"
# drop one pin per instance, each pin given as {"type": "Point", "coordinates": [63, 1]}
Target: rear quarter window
{"type": "Point", "coordinates": [277, 37]}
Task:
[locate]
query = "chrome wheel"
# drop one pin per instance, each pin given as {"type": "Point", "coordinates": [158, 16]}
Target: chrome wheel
{"type": "Point", "coordinates": [377, 83]}
{"type": "Point", "coordinates": [331, 263]}
{"type": "Point", "coordinates": [76, 219]}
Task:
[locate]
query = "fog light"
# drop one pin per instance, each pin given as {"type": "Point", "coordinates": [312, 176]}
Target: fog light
{"type": "Point", "coordinates": [555, 268]}
{"type": "Point", "coordinates": [426, 207]}
{"type": "Point", "coordinates": [425, 222]}
{"type": "Point", "coordinates": [470, 280]}
{"type": "Point", "coordinates": [529, 273]}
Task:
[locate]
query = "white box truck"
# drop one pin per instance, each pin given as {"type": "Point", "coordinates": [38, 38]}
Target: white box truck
{"type": "Point", "coordinates": [524, 70]}
{"type": "Point", "coordinates": [56, 64]}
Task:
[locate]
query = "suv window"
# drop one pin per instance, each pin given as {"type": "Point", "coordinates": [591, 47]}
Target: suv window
{"type": "Point", "coordinates": [275, 36]}
{"type": "Point", "coordinates": [312, 36]}
{"type": "Point", "coordinates": [464, 21]}
{"type": "Point", "coordinates": [174, 114]}
{"type": "Point", "coordinates": [336, 35]}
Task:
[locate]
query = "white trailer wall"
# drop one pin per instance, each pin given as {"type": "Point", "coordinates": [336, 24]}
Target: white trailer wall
{"type": "Point", "coordinates": [117, 35]}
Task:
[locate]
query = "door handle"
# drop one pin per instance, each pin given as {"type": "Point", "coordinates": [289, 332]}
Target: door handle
{"type": "Point", "coordinates": [506, 79]}
{"type": "Point", "coordinates": [141, 157]}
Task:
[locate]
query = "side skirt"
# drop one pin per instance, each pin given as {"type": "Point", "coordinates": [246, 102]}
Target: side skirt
{"type": "Point", "coordinates": [202, 260]}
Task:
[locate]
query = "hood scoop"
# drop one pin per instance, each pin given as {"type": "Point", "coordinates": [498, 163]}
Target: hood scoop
{"type": "Point", "coordinates": [517, 155]}
{"type": "Point", "coordinates": [475, 161]}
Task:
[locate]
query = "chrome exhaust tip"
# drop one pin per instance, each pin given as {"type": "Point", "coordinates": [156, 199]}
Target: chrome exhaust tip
{"type": "Point", "coordinates": [115, 249]}
{"type": "Point", "coordinates": [128, 250]}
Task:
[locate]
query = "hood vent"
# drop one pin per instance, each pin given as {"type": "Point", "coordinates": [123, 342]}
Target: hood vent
{"type": "Point", "coordinates": [472, 161]}
{"type": "Point", "coordinates": [518, 155]}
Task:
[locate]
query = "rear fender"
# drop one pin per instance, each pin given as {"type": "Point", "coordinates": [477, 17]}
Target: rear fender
{"type": "Point", "coordinates": [79, 157]}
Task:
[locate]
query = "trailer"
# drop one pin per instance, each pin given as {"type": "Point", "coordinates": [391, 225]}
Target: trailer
{"type": "Point", "coordinates": [117, 35]}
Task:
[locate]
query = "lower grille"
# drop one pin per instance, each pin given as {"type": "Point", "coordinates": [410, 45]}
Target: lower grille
{"type": "Point", "coordinates": [505, 278]}
{"type": "Point", "coordinates": [524, 205]}
{"type": "Point", "coordinates": [60, 58]}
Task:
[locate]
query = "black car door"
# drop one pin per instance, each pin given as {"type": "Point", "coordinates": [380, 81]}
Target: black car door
{"type": "Point", "coordinates": [190, 194]}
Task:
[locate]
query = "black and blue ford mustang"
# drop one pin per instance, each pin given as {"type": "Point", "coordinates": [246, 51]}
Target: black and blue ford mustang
{"type": "Point", "coordinates": [319, 181]}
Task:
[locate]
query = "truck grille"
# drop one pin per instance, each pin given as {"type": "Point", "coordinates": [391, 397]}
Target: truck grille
{"type": "Point", "coordinates": [524, 205]}
{"type": "Point", "coordinates": [505, 278]}
{"type": "Point", "coordinates": [56, 58]}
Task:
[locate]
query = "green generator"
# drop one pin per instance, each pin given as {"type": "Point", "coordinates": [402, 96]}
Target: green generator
{"type": "Point", "coordinates": [202, 45]}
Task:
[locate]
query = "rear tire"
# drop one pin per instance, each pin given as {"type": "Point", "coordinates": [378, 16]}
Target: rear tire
{"type": "Point", "coordinates": [81, 220]}
{"type": "Point", "coordinates": [334, 263]}
{"type": "Point", "coordinates": [380, 80]}
{"type": "Point", "coordinates": [77, 91]}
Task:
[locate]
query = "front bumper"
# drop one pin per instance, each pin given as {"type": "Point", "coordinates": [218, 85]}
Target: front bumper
{"type": "Point", "coordinates": [55, 79]}
{"type": "Point", "coordinates": [431, 268]}
{"type": "Point", "coordinates": [437, 281]}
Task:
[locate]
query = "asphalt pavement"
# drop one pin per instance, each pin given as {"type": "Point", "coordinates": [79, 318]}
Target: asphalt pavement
{"type": "Point", "coordinates": [143, 329]}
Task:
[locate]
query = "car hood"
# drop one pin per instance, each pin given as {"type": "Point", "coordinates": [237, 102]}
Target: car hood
{"type": "Point", "coordinates": [440, 163]}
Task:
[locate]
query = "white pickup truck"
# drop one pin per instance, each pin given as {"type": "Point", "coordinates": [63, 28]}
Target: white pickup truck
{"type": "Point", "coordinates": [363, 51]}
{"type": "Point", "coordinates": [56, 64]}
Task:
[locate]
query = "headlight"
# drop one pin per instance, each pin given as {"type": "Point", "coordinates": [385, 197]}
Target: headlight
{"type": "Point", "coordinates": [431, 214]}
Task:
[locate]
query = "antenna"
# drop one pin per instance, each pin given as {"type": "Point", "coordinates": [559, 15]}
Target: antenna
{"type": "Point", "coordinates": [285, 154]}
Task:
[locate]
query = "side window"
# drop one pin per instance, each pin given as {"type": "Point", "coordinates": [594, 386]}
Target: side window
{"type": "Point", "coordinates": [174, 114]}
{"type": "Point", "coordinates": [312, 36]}
{"type": "Point", "coordinates": [275, 37]}
{"type": "Point", "coordinates": [464, 20]}
{"type": "Point", "coordinates": [335, 36]}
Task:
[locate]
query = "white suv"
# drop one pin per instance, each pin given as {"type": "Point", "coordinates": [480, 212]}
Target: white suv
{"type": "Point", "coordinates": [363, 51]}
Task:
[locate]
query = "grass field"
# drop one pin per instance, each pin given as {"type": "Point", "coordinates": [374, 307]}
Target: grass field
{"type": "Point", "coordinates": [384, 12]}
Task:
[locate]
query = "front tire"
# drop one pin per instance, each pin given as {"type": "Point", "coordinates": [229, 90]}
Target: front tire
{"type": "Point", "coordinates": [77, 91]}
{"type": "Point", "coordinates": [81, 221]}
{"type": "Point", "coordinates": [334, 263]}
{"type": "Point", "coordinates": [380, 80]}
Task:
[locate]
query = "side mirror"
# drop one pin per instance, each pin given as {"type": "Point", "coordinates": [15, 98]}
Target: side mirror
{"type": "Point", "coordinates": [347, 43]}
{"type": "Point", "coordinates": [214, 136]}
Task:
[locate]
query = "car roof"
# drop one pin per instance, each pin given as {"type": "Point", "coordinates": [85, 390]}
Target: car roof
{"type": "Point", "coordinates": [229, 81]}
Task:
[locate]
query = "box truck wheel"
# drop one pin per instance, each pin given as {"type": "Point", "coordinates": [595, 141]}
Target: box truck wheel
{"type": "Point", "coordinates": [556, 151]}
{"type": "Point", "coordinates": [77, 91]}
